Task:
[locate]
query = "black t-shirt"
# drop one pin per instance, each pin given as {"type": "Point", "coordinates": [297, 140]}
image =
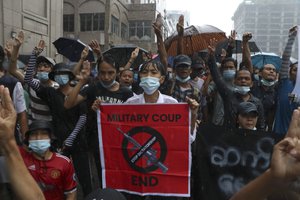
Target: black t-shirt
{"type": "Point", "coordinates": [95, 91]}
{"type": "Point", "coordinates": [64, 120]}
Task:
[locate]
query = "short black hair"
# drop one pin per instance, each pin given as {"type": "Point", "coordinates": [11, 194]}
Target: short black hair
{"type": "Point", "coordinates": [228, 59]}
{"type": "Point", "coordinates": [108, 58]}
{"type": "Point", "coordinates": [157, 64]}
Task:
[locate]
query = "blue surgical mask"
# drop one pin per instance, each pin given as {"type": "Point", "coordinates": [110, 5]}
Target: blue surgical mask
{"type": "Point", "coordinates": [242, 89]}
{"type": "Point", "coordinates": [42, 76]}
{"type": "Point", "coordinates": [267, 83]}
{"type": "Point", "coordinates": [229, 74]}
{"type": "Point", "coordinates": [62, 79]}
{"type": "Point", "coordinates": [149, 84]}
{"type": "Point", "coordinates": [183, 80]}
{"type": "Point", "coordinates": [107, 86]}
{"type": "Point", "coordinates": [39, 146]}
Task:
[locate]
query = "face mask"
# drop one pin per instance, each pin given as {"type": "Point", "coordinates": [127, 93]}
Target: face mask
{"type": "Point", "coordinates": [183, 80]}
{"type": "Point", "coordinates": [107, 86]}
{"type": "Point", "coordinates": [267, 83]}
{"type": "Point", "coordinates": [229, 74]}
{"type": "Point", "coordinates": [149, 84]}
{"type": "Point", "coordinates": [61, 79]}
{"type": "Point", "coordinates": [39, 146]}
{"type": "Point", "coordinates": [242, 89]}
{"type": "Point", "coordinates": [42, 76]}
{"type": "Point", "coordinates": [256, 77]}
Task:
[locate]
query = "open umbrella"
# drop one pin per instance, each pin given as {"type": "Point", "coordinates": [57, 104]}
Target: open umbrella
{"type": "Point", "coordinates": [122, 53]}
{"type": "Point", "coordinates": [195, 38]}
{"type": "Point", "coordinates": [72, 48]}
{"type": "Point", "coordinates": [238, 47]}
{"type": "Point", "coordinates": [263, 58]}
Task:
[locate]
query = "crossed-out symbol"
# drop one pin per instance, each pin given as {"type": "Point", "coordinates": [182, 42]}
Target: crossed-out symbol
{"type": "Point", "coordinates": [144, 150]}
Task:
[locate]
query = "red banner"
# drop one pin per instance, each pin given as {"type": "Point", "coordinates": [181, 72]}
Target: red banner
{"type": "Point", "coordinates": [145, 149]}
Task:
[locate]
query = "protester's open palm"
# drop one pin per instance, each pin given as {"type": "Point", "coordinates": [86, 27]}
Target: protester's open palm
{"type": "Point", "coordinates": [85, 72]}
{"type": "Point", "coordinates": [8, 115]}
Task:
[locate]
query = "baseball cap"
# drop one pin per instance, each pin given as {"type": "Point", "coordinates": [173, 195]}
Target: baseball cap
{"type": "Point", "coordinates": [197, 64]}
{"type": "Point", "coordinates": [246, 108]}
{"type": "Point", "coordinates": [182, 60]}
{"type": "Point", "coordinates": [45, 59]}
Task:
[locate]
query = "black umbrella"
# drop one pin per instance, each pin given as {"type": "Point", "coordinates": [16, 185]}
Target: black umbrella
{"type": "Point", "coordinates": [238, 47]}
{"type": "Point", "coordinates": [72, 48]}
{"type": "Point", "coordinates": [122, 53]}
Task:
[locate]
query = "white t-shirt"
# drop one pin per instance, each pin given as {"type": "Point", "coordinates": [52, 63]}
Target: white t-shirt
{"type": "Point", "coordinates": [139, 99]}
{"type": "Point", "coordinates": [18, 98]}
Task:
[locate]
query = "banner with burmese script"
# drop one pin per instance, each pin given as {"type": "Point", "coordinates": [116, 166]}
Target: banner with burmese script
{"type": "Point", "coordinates": [145, 149]}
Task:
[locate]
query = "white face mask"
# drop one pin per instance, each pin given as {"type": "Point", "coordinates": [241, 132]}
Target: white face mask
{"type": "Point", "coordinates": [149, 84]}
{"type": "Point", "coordinates": [242, 89]}
{"type": "Point", "coordinates": [183, 80]}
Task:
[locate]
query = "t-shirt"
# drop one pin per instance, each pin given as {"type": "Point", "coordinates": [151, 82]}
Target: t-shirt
{"type": "Point", "coordinates": [64, 120]}
{"type": "Point", "coordinates": [95, 91]}
{"type": "Point", "coordinates": [56, 176]}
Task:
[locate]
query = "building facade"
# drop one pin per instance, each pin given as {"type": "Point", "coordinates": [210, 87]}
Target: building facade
{"type": "Point", "coordinates": [269, 21]}
{"type": "Point", "coordinates": [112, 22]}
{"type": "Point", "coordinates": [39, 19]}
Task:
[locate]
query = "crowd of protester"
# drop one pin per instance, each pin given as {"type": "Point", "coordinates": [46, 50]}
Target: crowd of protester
{"type": "Point", "coordinates": [48, 111]}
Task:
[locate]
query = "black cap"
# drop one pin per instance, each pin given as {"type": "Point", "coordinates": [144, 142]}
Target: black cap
{"type": "Point", "coordinates": [39, 125]}
{"type": "Point", "coordinates": [105, 194]}
{"type": "Point", "coordinates": [45, 59]}
{"type": "Point", "coordinates": [61, 68]}
{"type": "Point", "coordinates": [182, 60]}
{"type": "Point", "coordinates": [198, 64]}
{"type": "Point", "coordinates": [245, 108]}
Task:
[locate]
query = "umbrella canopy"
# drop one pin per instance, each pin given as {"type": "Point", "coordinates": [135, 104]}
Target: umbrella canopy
{"type": "Point", "coordinates": [238, 47]}
{"type": "Point", "coordinates": [195, 38]}
{"type": "Point", "coordinates": [72, 48]}
{"type": "Point", "coordinates": [263, 58]}
{"type": "Point", "coordinates": [122, 53]}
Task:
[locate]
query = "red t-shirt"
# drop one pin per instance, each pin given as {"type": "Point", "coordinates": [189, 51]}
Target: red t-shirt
{"type": "Point", "coordinates": [56, 176]}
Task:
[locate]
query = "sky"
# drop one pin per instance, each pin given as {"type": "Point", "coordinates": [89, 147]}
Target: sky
{"type": "Point", "coordinates": [214, 12]}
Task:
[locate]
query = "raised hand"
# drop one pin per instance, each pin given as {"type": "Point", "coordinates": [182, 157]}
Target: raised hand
{"type": "Point", "coordinates": [9, 48]}
{"type": "Point", "coordinates": [285, 163]}
{"type": "Point", "coordinates": [212, 46]}
{"type": "Point", "coordinates": [247, 36]}
{"type": "Point", "coordinates": [180, 25]}
{"type": "Point", "coordinates": [231, 39]}
{"type": "Point", "coordinates": [95, 47]}
{"type": "Point", "coordinates": [8, 115]}
{"type": "Point", "coordinates": [40, 47]}
{"type": "Point", "coordinates": [84, 74]}
{"type": "Point", "coordinates": [134, 54]}
{"type": "Point", "coordinates": [84, 53]}
{"type": "Point", "coordinates": [294, 128]}
{"type": "Point", "coordinates": [157, 25]}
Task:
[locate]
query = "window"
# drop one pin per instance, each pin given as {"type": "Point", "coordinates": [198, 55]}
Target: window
{"type": "Point", "coordinates": [91, 21]}
{"type": "Point", "coordinates": [141, 29]}
{"type": "Point", "coordinates": [69, 23]}
{"type": "Point", "coordinates": [115, 25]}
{"type": "Point", "coordinates": [124, 31]}
{"type": "Point", "coordinates": [98, 21]}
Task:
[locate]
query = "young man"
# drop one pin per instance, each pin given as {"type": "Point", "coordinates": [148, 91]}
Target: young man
{"type": "Point", "coordinates": [247, 116]}
{"type": "Point", "coordinates": [53, 172]}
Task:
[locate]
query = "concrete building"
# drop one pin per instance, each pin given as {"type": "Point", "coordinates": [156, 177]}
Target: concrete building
{"type": "Point", "coordinates": [112, 21]}
{"type": "Point", "coordinates": [269, 21]}
{"type": "Point", "coordinates": [39, 19]}
{"type": "Point", "coordinates": [171, 20]}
